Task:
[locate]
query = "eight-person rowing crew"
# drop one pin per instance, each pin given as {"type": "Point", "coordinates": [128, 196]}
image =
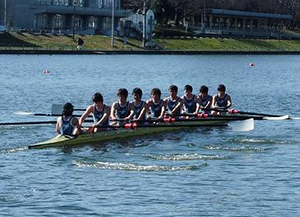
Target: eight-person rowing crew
{"type": "Point", "coordinates": [154, 108]}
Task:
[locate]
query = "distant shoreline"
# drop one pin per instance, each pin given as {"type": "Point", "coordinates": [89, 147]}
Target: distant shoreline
{"type": "Point", "coordinates": [25, 43]}
{"type": "Point", "coordinates": [141, 52]}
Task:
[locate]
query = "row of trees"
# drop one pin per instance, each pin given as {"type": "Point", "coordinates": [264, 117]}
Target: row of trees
{"type": "Point", "coordinates": [178, 9]}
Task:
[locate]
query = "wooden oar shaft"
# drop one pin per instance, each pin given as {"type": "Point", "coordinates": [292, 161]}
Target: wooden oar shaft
{"type": "Point", "coordinates": [235, 111]}
{"type": "Point", "coordinates": [28, 123]}
{"type": "Point", "coordinates": [54, 115]}
{"type": "Point", "coordinates": [136, 126]}
{"type": "Point", "coordinates": [259, 114]}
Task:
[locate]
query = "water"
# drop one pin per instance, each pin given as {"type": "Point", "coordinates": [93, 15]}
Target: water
{"type": "Point", "coordinates": [203, 172]}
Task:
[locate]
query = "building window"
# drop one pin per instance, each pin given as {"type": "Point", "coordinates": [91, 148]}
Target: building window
{"type": "Point", "coordinates": [78, 3]}
{"type": "Point", "coordinates": [92, 22]}
{"type": "Point", "coordinates": [60, 2]}
{"type": "Point", "coordinates": [100, 3]}
{"type": "Point", "coordinates": [40, 21]}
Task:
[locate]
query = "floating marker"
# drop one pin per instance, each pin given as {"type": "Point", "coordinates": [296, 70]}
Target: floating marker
{"type": "Point", "coordinates": [47, 72]}
{"type": "Point", "coordinates": [251, 64]}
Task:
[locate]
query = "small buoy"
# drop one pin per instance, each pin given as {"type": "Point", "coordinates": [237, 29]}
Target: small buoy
{"type": "Point", "coordinates": [251, 64]}
{"type": "Point", "coordinates": [47, 72]}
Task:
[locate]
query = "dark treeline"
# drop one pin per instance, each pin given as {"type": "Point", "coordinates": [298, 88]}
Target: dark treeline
{"type": "Point", "coordinates": [178, 9]}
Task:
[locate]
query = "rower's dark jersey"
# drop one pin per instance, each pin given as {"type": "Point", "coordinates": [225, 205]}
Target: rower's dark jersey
{"type": "Point", "coordinates": [97, 115]}
{"type": "Point", "coordinates": [189, 104]}
{"type": "Point", "coordinates": [221, 102]}
{"type": "Point", "coordinates": [172, 104]}
{"type": "Point", "coordinates": [138, 109]}
{"type": "Point", "coordinates": [67, 127]}
{"type": "Point", "coordinates": [122, 111]}
{"type": "Point", "coordinates": [204, 101]}
{"type": "Point", "coordinates": [155, 109]}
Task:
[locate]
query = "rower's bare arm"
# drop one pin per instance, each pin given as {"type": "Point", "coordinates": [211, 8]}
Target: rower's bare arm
{"type": "Point", "coordinates": [229, 102]}
{"type": "Point", "coordinates": [58, 123]}
{"type": "Point", "coordinates": [208, 104]}
{"type": "Point", "coordinates": [213, 105]}
{"type": "Point", "coordinates": [113, 111]}
{"type": "Point", "coordinates": [131, 106]}
{"type": "Point", "coordinates": [177, 107]}
{"type": "Point", "coordinates": [77, 126]}
{"type": "Point", "coordinates": [143, 112]}
{"type": "Point", "coordinates": [88, 111]}
{"type": "Point", "coordinates": [163, 110]}
{"type": "Point", "coordinates": [104, 117]}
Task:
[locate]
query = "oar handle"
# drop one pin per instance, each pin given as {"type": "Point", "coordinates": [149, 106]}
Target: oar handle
{"type": "Point", "coordinates": [235, 111]}
{"type": "Point", "coordinates": [136, 126]}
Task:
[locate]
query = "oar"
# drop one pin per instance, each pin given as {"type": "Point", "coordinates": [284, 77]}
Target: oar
{"type": "Point", "coordinates": [240, 125]}
{"type": "Point", "coordinates": [265, 116]}
{"type": "Point", "coordinates": [213, 116]}
{"type": "Point", "coordinates": [31, 123]}
{"type": "Point", "coordinates": [27, 123]}
{"type": "Point", "coordinates": [43, 114]}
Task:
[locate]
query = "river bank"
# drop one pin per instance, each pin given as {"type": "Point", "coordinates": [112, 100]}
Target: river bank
{"type": "Point", "coordinates": [26, 43]}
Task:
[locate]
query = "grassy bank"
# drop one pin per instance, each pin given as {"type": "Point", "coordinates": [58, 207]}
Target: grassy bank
{"type": "Point", "coordinates": [215, 44]}
{"type": "Point", "coordinates": [55, 42]}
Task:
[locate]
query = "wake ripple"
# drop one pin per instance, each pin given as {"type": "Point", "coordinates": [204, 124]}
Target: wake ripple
{"type": "Point", "coordinates": [135, 167]}
{"type": "Point", "coordinates": [12, 150]}
{"type": "Point", "coordinates": [260, 141]}
{"type": "Point", "coordinates": [184, 157]}
{"type": "Point", "coordinates": [240, 149]}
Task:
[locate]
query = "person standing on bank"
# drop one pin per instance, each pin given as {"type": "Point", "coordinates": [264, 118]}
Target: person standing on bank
{"type": "Point", "coordinates": [80, 43]}
{"type": "Point", "coordinates": [99, 111]}
{"type": "Point", "coordinates": [67, 124]}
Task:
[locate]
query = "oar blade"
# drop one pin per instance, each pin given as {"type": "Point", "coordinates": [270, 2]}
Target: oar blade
{"type": "Point", "coordinates": [242, 126]}
{"type": "Point", "coordinates": [23, 113]}
{"type": "Point", "coordinates": [284, 117]}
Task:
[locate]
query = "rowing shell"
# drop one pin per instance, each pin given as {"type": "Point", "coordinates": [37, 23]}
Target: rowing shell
{"type": "Point", "coordinates": [115, 134]}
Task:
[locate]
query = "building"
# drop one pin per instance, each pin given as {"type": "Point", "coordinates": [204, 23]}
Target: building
{"type": "Point", "coordinates": [133, 24]}
{"type": "Point", "coordinates": [229, 23]}
{"type": "Point", "coordinates": [63, 16]}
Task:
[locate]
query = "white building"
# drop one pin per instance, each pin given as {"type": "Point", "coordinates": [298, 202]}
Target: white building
{"type": "Point", "coordinates": [135, 22]}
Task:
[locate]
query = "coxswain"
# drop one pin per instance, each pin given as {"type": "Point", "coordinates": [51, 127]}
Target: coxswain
{"type": "Point", "coordinates": [204, 100]}
{"type": "Point", "coordinates": [137, 106]}
{"type": "Point", "coordinates": [67, 124]}
{"type": "Point", "coordinates": [99, 111]}
{"type": "Point", "coordinates": [173, 102]}
{"type": "Point", "coordinates": [121, 108]}
{"type": "Point", "coordinates": [155, 105]}
{"type": "Point", "coordinates": [189, 100]}
{"type": "Point", "coordinates": [221, 100]}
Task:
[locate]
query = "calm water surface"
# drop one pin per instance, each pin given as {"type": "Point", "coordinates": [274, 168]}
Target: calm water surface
{"type": "Point", "coordinates": [204, 172]}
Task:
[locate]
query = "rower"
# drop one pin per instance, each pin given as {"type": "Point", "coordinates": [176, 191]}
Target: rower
{"type": "Point", "coordinates": [222, 100]}
{"type": "Point", "coordinates": [205, 100]}
{"type": "Point", "coordinates": [189, 100]}
{"type": "Point", "coordinates": [173, 102]}
{"type": "Point", "coordinates": [121, 108]}
{"type": "Point", "coordinates": [99, 111]}
{"type": "Point", "coordinates": [67, 124]}
{"type": "Point", "coordinates": [137, 106]}
{"type": "Point", "coordinates": [157, 106]}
